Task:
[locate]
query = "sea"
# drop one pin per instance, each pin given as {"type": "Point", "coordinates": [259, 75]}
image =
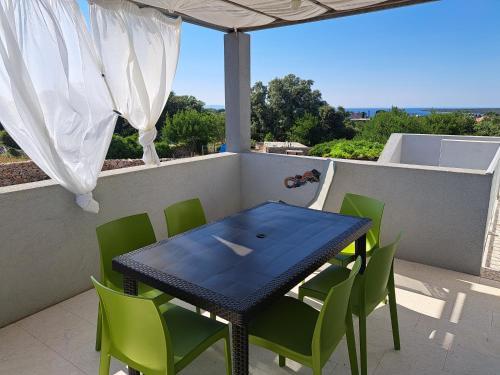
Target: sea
{"type": "Point", "coordinates": [372, 111]}
{"type": "Point", "coordinates": [412, 111]}
{"type": "Point", "coordinates": [425, 111]}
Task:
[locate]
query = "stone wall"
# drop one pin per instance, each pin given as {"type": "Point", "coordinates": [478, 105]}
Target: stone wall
{"type": "Point", "coordinates": [28, 171]}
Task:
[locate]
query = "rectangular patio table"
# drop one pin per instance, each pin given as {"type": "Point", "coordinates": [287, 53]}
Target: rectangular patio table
{"type": "Point", "coordinates": [237, 266]}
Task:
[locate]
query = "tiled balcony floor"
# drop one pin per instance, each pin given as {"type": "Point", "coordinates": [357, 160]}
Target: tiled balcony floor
{"type": "Point", "coordinates": [449, 323]}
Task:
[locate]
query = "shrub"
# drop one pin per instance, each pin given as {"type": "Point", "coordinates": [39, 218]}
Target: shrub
{"type": "Point", "coordinates": [455, 123]}
{"type": "Point", "coordinates": [348, 149]}
{"type": "Point", "coordinates": [194, 129]}
{"type": "Point", "coordinates": [7, 140]}
{"type": "Point", "coordinates": [305, 129]}
{"type": "Point", "coordinates": [380, 128]}
{"type": "Point", "coordinates": [163, 149]}
{"type": "Point", "coordinates": [124, 148]}
{"type": "Point", "coordinates": [490, 126]}
{"type": "Point", "coordinates": [14, 152]}
{"type": "Point", "coordinates": [268, 137]}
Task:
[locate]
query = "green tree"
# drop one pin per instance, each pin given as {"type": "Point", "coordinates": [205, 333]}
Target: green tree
{"type": "Point", "coordinates": [380, 128]}
{"type": "Point", "coordinates": [305, 130]}
{"type": "Point", "coordinates": [290, 98]}
{"type": "Point", "coordinates": [268, 137]}
{"type": "Point", "coordinates": [123, 128]}
{"type": "Point", "coordinates": [276, 107]}
{"type": "Point", "coordinates": [260, 117]}
{"type": "Point", "coordinates": [455, 123]}
{"type": "Point", "coordinates": [124, 147]}
{"type": "Point", "coordinates": [7, 140]}
{"type": "Point", "coordinates": [489, 126]}
{"type": "Point", "coordinates": [194, 129]}
{"type": "Point", "coordinates": [178, 103]}
{"type": "Point", "coordinates": [335, 124]}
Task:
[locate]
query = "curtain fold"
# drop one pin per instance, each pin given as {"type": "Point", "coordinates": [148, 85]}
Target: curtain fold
{"type": "Point", "coordinates": [54, 102]}
{"type": "Point", "coordinates": [139, 50]}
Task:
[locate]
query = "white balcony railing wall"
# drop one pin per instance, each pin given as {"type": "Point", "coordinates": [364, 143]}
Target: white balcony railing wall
{"type": "Point", "coordinates": [48, 247]}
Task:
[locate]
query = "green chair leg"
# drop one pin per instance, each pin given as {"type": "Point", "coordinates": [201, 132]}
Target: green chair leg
{"type": "Point", "coordinates": [363, 345]}
{"type": "Point", "coordinates": [394, 310]}
{"type": "Point", "coordinates": [351, 344]}
{"type": "Point", "coordinates": [281, 361]}
{"type": "Point", "coordinates": [301, 295]}
{"type": "Point", "coordinates": [105, 360]}
{"type": "Point", "coordinates": [98, 334]}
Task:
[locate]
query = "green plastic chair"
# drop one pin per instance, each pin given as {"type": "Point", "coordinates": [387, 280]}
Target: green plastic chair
{"type": "Point", "coordinates": [151, 338]}
{"type": "Point", "coordinates": [119, 237]}
{"type": "Point", "coordinates": [295, 330]}
{"type": "Point", "coordinates": [361, 206]}
{"type": "Point", "coordinates": [370, 288]}
{"type": "Point", "coordinates": [184, 216]}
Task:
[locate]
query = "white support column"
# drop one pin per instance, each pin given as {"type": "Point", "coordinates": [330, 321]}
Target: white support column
{"type": "Point", "coordinates": [237, 85]}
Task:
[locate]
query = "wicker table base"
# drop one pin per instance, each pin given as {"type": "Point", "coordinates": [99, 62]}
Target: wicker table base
{"type": "Point", "coordinates": [240, 349]}
{"type": "Point", "coordinates": [130, 286]}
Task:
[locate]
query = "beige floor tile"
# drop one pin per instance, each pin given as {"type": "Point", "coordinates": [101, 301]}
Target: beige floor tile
{"type": "Point", "coordinates": [468, 361]}
{"type": "Point", "coordinates": [83, 305]}
{"type": "Point", "coordinates": [449, 325]}
{"type": "Point", "coordinates": [22, 354]}
{"type": "Point", "coordinates": [415, 356]}
{"type": "Point", "coordinates": [55, 324]}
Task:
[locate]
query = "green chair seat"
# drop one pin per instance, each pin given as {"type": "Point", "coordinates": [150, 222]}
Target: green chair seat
{"type": "Point", "coordinates": [191, 333]}
{"type": "Point", "coordinates": [154, 339]}
{"type": "Point", "coordinates": [347, 255]}
{"type": "Point", "coordinates": [295, 330]}
{"type": "Point", "coordinates": [288, 324]}
{"type": "Point", "coordinates": [319, 286]}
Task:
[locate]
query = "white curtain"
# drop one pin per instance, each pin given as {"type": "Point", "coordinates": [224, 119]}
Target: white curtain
{"type": "Point", "coordinates": [139, 49]}
{"type": "Point", "coordinates": [53, 100]}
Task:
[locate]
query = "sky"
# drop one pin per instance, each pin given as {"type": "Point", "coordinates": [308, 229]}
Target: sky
{"type": "Point", "coordinates": [439, 54]}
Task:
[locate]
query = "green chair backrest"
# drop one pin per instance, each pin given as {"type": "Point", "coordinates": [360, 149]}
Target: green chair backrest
{"type": "Point", "coordinates": [119, 237]}
{"type": "Point", "coordinates": [134, 329]}
{"type": "Point", "coordinates": [331, 325]}
{"type": "Point", "coordinates": [183, 216]}
{"type": "Point", "coordinates": [377, 274]}
{"type": "Point", "coordinates": [361, 206]}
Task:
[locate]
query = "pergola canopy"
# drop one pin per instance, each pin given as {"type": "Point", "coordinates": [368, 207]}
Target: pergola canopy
{"type": "Point", "coordinates": [248, 15]}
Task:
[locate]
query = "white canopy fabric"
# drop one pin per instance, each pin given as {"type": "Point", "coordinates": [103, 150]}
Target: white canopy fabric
{"type": "Point", "coordinates": [240, 14]}
{"type": "Point", "coordinates": [54, 102]}
{"type": "Point", "coordinates": [139, 50]}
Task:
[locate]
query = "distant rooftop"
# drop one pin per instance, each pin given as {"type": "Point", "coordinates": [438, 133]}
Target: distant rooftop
{"type": "Point", "coordinates": [284, 145]}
